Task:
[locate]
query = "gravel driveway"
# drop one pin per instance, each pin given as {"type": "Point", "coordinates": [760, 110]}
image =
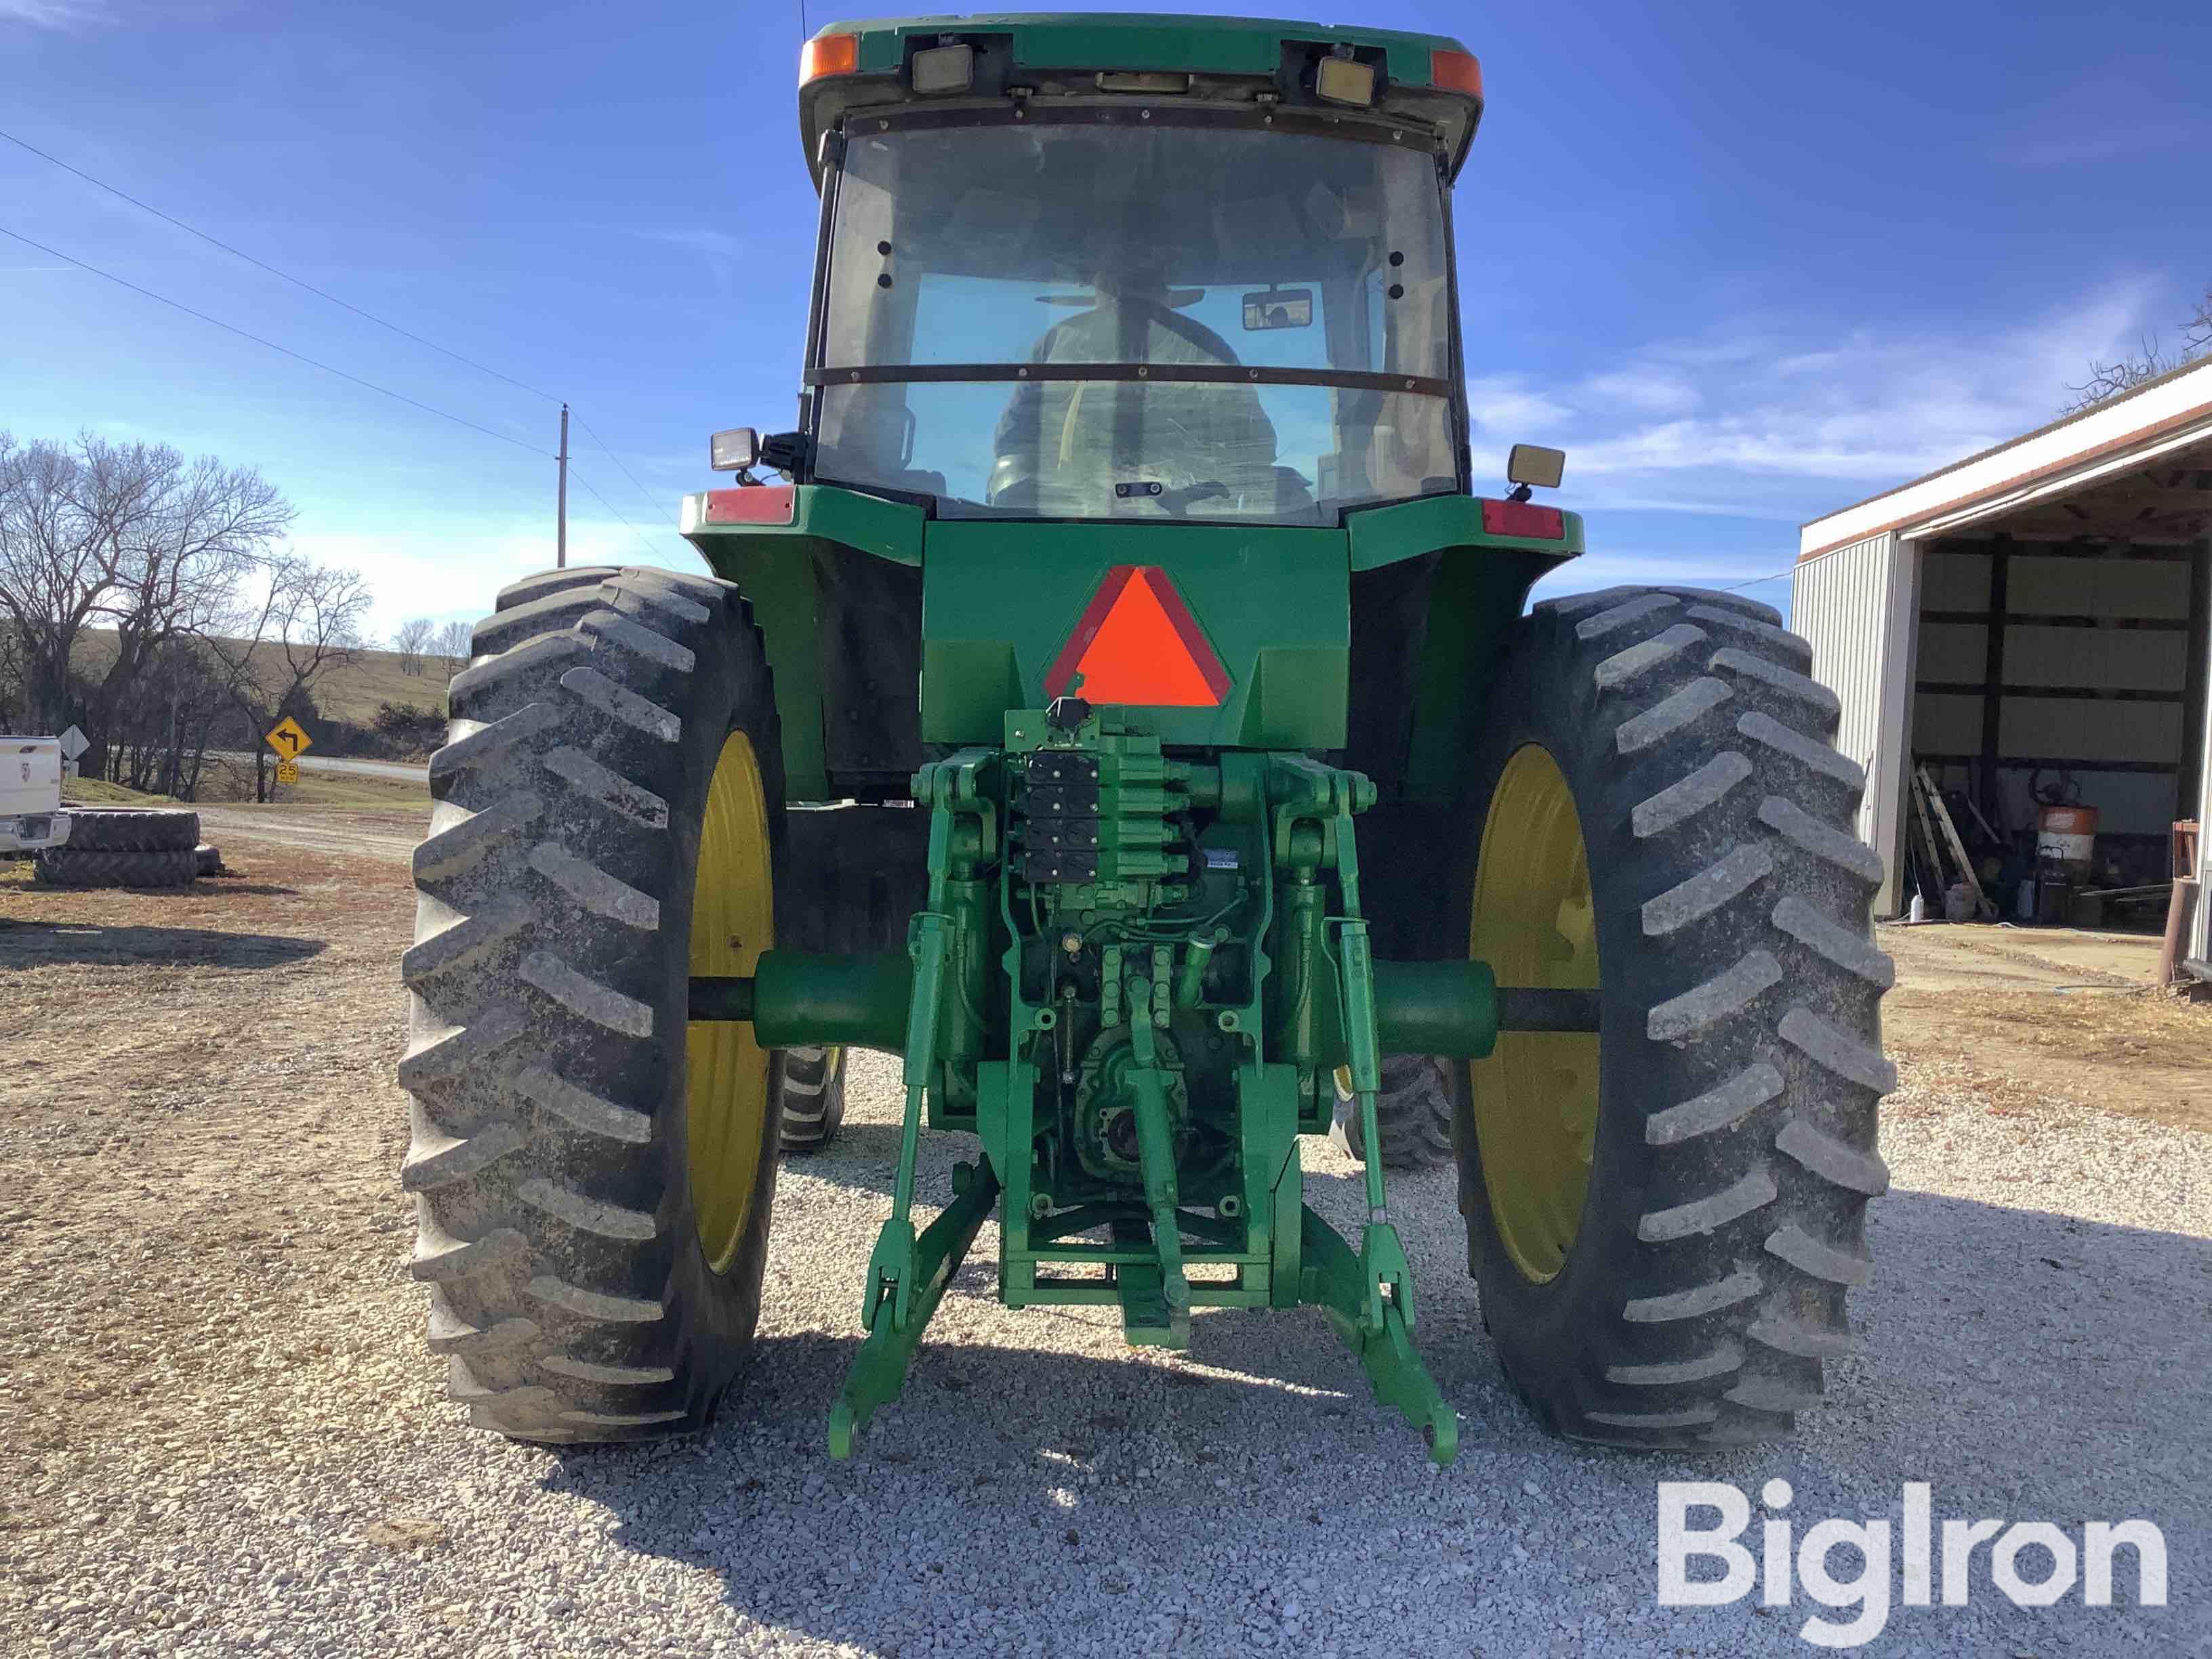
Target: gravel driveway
{"type": "Point", "coordinates": [222, 1433]}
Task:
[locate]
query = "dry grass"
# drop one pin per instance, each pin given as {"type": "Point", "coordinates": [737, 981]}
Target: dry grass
{"type": "Point", "coordinates": [2124, 1028]}
{"type": "Point", "coordinates": [96, 791]}
{"type": "Point", "coordinates": [2139, 1053]}
{"type": "Point", "coordinates": [355, 789]}
{"type": "Point", "coordinates": [350, 691]}
{"type": "Point", "coordinates": [225, 783]}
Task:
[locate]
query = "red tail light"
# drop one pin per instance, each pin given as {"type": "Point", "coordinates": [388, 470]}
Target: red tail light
{"type": "Point", "coordinates": [766, 504]}
{"type": "Point", "coordinates": [1524, 519]}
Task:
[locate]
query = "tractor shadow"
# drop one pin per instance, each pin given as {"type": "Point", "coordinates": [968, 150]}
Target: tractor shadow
{"type": "Point", "coordinates": [2027, 1363]}
{"type": "Point", "coordinates": [864, 1157]}
{"type": "Point", "coordinates": [38, 945]}
{"type": "Point", "coordinates": [1019, 1466]}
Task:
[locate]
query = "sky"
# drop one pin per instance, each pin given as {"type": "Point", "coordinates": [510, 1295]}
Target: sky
{"type": "Point", "coordinates": [1746, 264]}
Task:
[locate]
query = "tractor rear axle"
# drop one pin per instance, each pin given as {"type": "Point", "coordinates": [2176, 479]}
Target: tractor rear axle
{"type": "Point", "coordinates": [1153, 947]}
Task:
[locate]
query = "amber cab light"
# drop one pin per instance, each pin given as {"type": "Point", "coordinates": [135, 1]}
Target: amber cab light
{"type": "Point", "coordinates": [830, 54]}
{"type": "Point", "coordinates": [1455, 71]}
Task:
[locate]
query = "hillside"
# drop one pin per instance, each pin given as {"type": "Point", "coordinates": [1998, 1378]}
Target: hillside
{"type": "Point", "coordinates": [349, 692]}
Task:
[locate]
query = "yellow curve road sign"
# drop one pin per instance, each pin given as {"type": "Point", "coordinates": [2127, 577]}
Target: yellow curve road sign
{"type": "Point", "coordinates": [287, 771]}
{"type": "Point", "coordinates": [289, 738]}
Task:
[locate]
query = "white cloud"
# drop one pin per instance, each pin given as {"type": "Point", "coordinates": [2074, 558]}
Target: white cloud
{"type": "Point", "coordinates": [452, 568]}
{"type": "Point", "coordinates": [1760, 576]}
{"type": "Point", "coordinates": [726, 255]}
{"type": "Point", "coordinates": [56, 14]}
{"type": "Point", "coordinates": [1505, 406]}
{"type": "Point", "coordinates": [1652, 390]}
{"type": "Point", "coordinates": [1784, 424]}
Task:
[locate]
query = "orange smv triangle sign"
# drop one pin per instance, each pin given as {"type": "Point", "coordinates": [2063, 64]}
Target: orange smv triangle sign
{"type": "Point", "coordinates": [1137, 643]}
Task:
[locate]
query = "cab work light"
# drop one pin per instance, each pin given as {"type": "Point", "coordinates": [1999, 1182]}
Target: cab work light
{"type": "Point", "coordinates": [944, 69]}
{"type": "Point", "coordinates": [1342, 81]}
{"type": "Point", "coordinates": [829, 54]}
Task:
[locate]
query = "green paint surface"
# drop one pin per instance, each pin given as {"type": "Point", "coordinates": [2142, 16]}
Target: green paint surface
{"type": "Point", "coordinates": [775, 564]}
{"type": "Point", "coordinates": [1404, 529]}
{"type": "Point", "coordinates": [1124, 40]}
{"type": "Point", "coordinates": [1000, 600]}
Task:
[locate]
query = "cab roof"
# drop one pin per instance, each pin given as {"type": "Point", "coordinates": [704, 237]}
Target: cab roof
{"type": "Point", "coordinates": [1430, 77]}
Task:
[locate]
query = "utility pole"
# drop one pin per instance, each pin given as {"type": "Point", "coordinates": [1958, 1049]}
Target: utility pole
{"type": "Point", "coordinates": [561, 521]}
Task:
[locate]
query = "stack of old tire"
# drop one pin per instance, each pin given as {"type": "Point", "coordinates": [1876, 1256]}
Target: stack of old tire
{"type": "Point", "coordinates": [151, 846]}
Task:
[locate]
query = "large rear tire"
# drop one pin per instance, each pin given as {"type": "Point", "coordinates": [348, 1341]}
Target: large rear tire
{"type": "Point", "coordinates": [593, 1174]}
{"type": "Point", "coordinates": [1664, 1219]}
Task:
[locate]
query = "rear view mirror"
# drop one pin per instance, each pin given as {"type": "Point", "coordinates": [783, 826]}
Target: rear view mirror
{"type": "Point", "coordinates": [1533, 464]}
{"type": "Point", "coordinates": [734, 451]}
{"type": "Point", "coordinates": [1279, 307]}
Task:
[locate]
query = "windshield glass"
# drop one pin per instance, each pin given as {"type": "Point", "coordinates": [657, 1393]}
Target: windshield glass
{"type": "Point", "coordinates": [1274, 309]}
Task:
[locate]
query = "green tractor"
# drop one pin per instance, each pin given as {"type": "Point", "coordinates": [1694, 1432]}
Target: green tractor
{"type": "Point", "coordinates": [1117, 701]}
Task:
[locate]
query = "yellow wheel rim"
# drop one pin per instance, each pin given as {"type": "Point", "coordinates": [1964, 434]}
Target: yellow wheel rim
{"type": "Point", "coordinates": [1535, 1096]}
{"type": "Point", "coordinates": [732, 921]}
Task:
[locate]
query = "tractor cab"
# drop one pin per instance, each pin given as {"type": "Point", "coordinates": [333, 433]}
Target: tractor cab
{"type": "Point", "coordinates": [1056, 287]}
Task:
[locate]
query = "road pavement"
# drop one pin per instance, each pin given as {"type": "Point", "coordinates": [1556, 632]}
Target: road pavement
{"type": "Point", "coordinates": [405, 771]}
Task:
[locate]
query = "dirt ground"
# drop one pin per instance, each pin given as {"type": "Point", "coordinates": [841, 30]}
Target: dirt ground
{"type": "Point", "coordinates": [2028, 1014]}
{"type": "Point", "coordinates": [180, 1096]}
{"type": "Point", "coordinates": [384, 833]}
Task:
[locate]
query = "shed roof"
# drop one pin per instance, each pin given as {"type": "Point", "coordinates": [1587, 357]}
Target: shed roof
{"type": "Point", "coordinates": [2163, 413]}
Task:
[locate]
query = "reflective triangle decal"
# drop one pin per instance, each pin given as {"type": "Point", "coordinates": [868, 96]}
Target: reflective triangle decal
{"type": "Point", "coordinates": [1137, 643]}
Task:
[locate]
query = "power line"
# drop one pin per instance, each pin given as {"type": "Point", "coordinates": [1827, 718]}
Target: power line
{"type": "Point", "coordinates": [323, 293]}
{"type": "Point", "coordinates": [263, 264]}
{"type": "Point", "coordinates": [610, 506]}
{"type": "Point", "coordinates": [297, 357]}
{"type": "Point", "coordinates": [1754, 581]}
{"type": "Point", "coordinates": [617, 460]}
{"type": "Point", "coordinates": [313, 363]}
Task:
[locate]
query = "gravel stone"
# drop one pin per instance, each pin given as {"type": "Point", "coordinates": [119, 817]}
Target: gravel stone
{"type": "Point", "coordinates": [221, 1431]}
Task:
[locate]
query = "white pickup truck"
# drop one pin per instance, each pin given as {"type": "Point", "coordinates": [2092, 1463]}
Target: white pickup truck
{"type": "Point", "coordinates": [31, 816]}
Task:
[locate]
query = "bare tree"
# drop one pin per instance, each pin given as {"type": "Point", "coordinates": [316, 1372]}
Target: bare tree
{"type": "Point", "coordinates": [161, 729]}
{"type": "Point", "coordinates": [2149, 361]}
{"type": "Point", "coordinates": [414, 633]}
{"type": "Point", "coordinates": [12, 717]}
{"type": "Point", "coordinates": [2197, 327]}
{"type": "Point", "coordinates": [132, 537]}
{"type": "Point", "coordinates": [452, 642]}
{"type": "Point", "coordinates": [307, 619]}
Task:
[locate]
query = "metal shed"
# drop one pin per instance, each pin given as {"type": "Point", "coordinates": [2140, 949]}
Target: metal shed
{"type": "Point", "coordinates": [2038, 612]}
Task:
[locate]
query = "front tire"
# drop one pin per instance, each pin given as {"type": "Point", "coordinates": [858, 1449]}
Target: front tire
{"type": "Point", "coordinates": [1664, 1219]}
{"type": "Point", "coordinates": [594, 1174]}
{"type": "Point", "coordinates": [813, 1097]}
{"type": "Point", "coordinates": [1413, 1115]}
